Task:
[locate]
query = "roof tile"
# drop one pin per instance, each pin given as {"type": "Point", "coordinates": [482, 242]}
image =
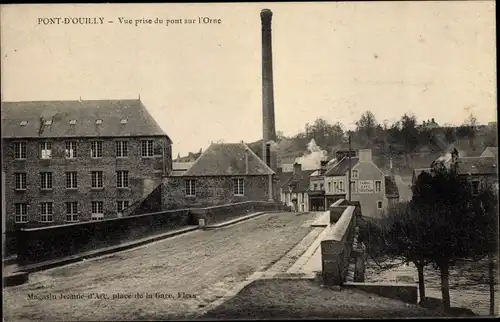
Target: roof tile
{"type": "Point", "coordinates": [227, 159]}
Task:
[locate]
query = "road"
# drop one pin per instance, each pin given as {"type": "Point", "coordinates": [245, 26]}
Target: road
{"type": "Point", "coordinates": [403, 184]}
{"type": "Point", "coordinates": [200, 265]}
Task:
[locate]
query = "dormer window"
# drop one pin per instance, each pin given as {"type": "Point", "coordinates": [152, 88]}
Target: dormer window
{"type": "Point", "coordinates": [72, 122]}
{"type": "Point", "coordinates": [23, 123]}
{"type": "Point", "coordinates": [98, 121]}
{"type": "Point", "coordinates": [123, 121]}
{"type": "Point", "coordinates": [48, 122]}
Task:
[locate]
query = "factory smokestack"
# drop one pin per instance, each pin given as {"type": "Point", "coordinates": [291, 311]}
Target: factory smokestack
{"type": "Point", "coordinates": [269, 131]}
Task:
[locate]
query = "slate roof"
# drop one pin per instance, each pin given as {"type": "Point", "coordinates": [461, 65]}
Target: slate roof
{"type": "Point", "coordinates": [342, 167]}
{"type": "Point", "coordinates": [477, 165]}
{"type": "Point", "coordinates": [228, 159]}
{"type": "Point", "coordinates": [391, 189]}
{"type": "Point", "coordinates": [284, 176]}
{"type": "Point", "coordinates": [179, 168]}
{"type": "Point", "coordinates": [493, 150]}
{"type": "Point", "coordinates": [138, 120]}
{"type": "Point", "coordinates": [299, 181]}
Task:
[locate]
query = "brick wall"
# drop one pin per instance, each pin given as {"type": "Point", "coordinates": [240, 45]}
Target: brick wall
{"type": "Point", "coordinates": [211, 191]}
{"type": "Point", "coordinates": [144, 174]}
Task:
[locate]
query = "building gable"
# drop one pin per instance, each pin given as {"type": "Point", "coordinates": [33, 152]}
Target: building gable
{"type": "Point", "coordinates": [228, 159]}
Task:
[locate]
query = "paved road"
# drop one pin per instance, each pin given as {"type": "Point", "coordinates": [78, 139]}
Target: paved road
{"type": "Point", "coordinates": [201, 264]}
{"type": "Point", "coordinates": [403, 184]}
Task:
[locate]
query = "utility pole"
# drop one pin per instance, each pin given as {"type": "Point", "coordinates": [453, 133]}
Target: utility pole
{"type": "Point", "coordinates": [349, 156]}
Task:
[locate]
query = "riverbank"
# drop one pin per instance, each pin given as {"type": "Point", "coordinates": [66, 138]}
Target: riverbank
{"type": "Point", "coordinates": [469, 285]}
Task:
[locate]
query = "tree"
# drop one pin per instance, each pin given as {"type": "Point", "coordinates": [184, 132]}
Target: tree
{"type": "Point", "coordinates": [487, 241]}
{"type": "Point", "coordinates": [324, 133]}
{"type": "Point", "coordinates": [444, 200]}
{"type": "Point", "coordinates": [405, 236]}
{"type": "Point", "coordinates": [366, 125]}
{"type": "Point", "coordinates": [409, 132]}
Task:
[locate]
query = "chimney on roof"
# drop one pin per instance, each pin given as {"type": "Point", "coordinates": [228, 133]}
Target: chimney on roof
{"type": "Point", "coordinates": [297, 168]}
{"type": "Point", "coordinates": [268, 122]}
{"type": "Point", "coordinates": [433, 120]}
{"type": "Point", "coordinates": [365, 155]}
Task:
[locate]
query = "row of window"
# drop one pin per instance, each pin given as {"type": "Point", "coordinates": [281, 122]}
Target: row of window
{"type": "Point", "coordinates": [238, 187]}
{"type": "Point", "coordinates": [70, 152]}
{"type": "Point", "coordinates": [47, 211]}
{"type": "Point", "coordinates": [47, 182]}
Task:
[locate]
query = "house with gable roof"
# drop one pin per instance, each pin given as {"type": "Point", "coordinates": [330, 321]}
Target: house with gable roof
{"type": "Point", "coordinates": [374, 190]}
{"type": "Point", "coordinates": [481, 172]}
{"type": "Point", "coordinates": [70, 161]}
{"type": "Point", "coordinates": [294, 188]}
{"type": "Point", "coordinates": [224, 173]}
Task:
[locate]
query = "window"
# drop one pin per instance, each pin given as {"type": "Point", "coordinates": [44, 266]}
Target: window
{"type": "Point", "coordinates": [70, 151]}
{"type": "Point", "coordinates": [322, 187]}
{"type": "Point", "coordinates": [71, 180]}
{"type": "Point", "coordinates": [46, 214]}
{"type": "Point", "coordinates": [48, 122]}
{"type": "Point", "coordinates": [45, 150]}
{"type": "Point", "coordinates": [20, 179]}
{"type": "Point", "coordinates": [335, 186]}
{"type": "Point", "coordinates": [46, 180]}
{"type": "Point", "coordinates": [379, 204]}
{"type": "Point", "coordinates": [20, 150]}
{"type": "Point", "coordinates": [329, 186]}
{"type": "Point", "coordinates": [378, 185]}
{"type": "Point", "coordinates": [98, 121]}
{"type": "Point", "coordinates": [122, 179]}
{"type": "Point", "coordinates": [96, 179]}
{"type": "Point", "coordinates": [341, 186]}
{"type": "Point", "coordinates": [21, 213]}
{"type": "Point", "coordinates": [23, 123]}
{"type": "Point", "coordinates": [122, 205]}
{"type": "Point", "coordinates": [121, 149]}
{"type": "Point", "coordinates": [96, 149]}
{"type": "Point", "coordinates": [315, 186]}
{"type": "Point", "coordinates": [72, 211]}
{"type": "Point", "coordinates": [97, 210]}
{"type": "Point", "coordinates": [147, 148]}
{"type": "Point", "coordinates": [475, 187]}
{"type": "Point", "coordinates": [190, 188]}
{"type": "Point", "coordinates": [354, 173]}
{"type": "Point", "coordinates": [353, 186]}
{"type": "Point", "coordinates": [238, 187]}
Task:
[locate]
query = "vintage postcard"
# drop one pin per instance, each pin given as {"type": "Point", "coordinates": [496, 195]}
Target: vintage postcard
{"type": "Point", "coordinates": [222, 161]}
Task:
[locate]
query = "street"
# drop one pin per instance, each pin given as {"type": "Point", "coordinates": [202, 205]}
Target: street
{"type": "Point", "coordinates": [164, 280]}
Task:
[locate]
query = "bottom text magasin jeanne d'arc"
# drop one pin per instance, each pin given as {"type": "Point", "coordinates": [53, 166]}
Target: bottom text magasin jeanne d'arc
{"type": "Point", "coordinates": [70, 20]}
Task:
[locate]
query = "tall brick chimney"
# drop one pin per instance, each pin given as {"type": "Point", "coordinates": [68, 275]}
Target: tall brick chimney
{"type": "Point", "coordinates": [268, 123]}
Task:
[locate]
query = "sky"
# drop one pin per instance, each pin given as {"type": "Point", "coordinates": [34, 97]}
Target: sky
{"type": "Point", "coordinates": [202, 82]}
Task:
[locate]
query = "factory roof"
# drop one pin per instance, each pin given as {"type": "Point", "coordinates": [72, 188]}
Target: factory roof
{"type": "Point", "coordinates": [79, 118]}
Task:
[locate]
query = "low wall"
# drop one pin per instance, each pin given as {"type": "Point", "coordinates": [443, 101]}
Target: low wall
{"type": "Point", "coordinates": [35, 245]}
{"type": "Point", "coordinates": [217, 214]}
{"type": "Point", "coordinates": [404, 292]}
{"type": "Point", "coordinates": [337, 245]}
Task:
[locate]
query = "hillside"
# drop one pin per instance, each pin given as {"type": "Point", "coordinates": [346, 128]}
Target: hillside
{"type": "Point", "coordinates": [409, 144]}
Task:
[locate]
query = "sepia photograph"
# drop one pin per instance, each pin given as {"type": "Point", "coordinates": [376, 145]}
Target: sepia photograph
{"type": "Point", "coordinates": [249, 161]}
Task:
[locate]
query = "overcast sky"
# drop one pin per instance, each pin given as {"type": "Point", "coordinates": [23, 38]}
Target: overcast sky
{"type": "Point", "coordinates": [202, 83]}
